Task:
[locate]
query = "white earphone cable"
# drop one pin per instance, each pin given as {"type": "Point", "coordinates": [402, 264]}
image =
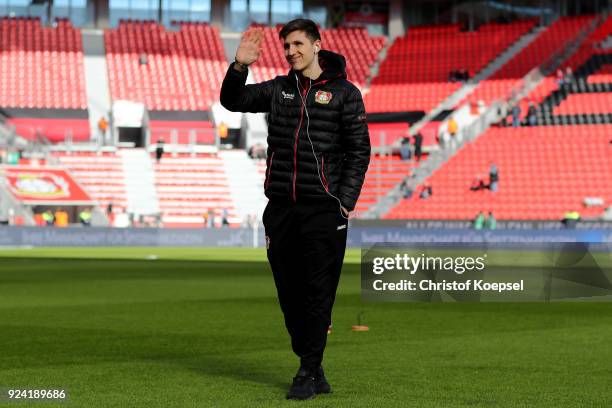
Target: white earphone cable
{"type": "Point", "coordinates": [304, 99]}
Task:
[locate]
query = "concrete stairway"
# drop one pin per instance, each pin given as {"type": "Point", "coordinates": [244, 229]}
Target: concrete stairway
{"type": "Point", "coordinates": [485, 73]}
{"type": "Point", "coordinates": [245, 182]}
{"type": "Point", "coordinates": [139, 182]}
{"type": "Point", "coordinates": [96, 79]}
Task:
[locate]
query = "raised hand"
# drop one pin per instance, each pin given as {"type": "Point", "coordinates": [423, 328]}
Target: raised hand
{"type": "Point", "coordinates": [250, 46]}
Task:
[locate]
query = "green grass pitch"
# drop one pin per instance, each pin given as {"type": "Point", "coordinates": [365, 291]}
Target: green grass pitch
{"type": "Point", "coordinates": [149, 327]}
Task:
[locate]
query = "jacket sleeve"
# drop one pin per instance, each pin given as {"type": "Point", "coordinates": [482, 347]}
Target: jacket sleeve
{"type": "Point", "coordinates": [356, 147]}
{"type": "Point", "coordinates": [238, 97]}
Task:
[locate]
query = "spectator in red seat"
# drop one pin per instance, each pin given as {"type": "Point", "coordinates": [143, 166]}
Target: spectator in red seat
{"type": "Point", "coordinates": [478, 184]}
{"type": "Point", "coordinates": [493, 177]}
{"type": "Point", "coordinates": [426, 192]}
{"type": "Point", "coordinates": [569, 77]}
{"type": "Point", "coordinates": [142, 59]}
{"type": "Point", "coordinates": [532, 116]}
{"type": "Point", "coordinates": [490, 223]}
{"type": "Point", "coordinates": [418, 143]}
{"type": "Point", "coordinates": [516, 116]}
{"type": "Point", "coordinates": [560, 79]}
{"type": "Point", "coordinates": [479, 221]}
{"type": "Point", "coordinates": [405, 190]}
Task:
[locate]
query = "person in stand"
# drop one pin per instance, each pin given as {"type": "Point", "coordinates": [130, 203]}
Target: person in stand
{"type": "Point", "coordinates": [478, 184]}
{"type": "Point", "coordinates": [490, 223]}
{"type": "Point", "coordinates": [405, 152]}
{"type": "Point", "coordinates": [516, 115]}
{"type": "Point", "coordinates": [102, 129]}
{"type": "Point", "coordinates": [225, 218]}
{"type": "Point", "coordinates": [493, 178]}
{"type": "Point", "coordinates": [159, 150]}
{"type": "Point", "coordinates": [48, 218]}
{"type": "Point", "coordinates": [418, 146]}
{"type": "Point", "coordinates": [452, 128]}
{"type": "Point", "coordinates": [211, 218]}
{"type": "Point", "coordinates": [85, 217]}
{"type": "Point", "coordinates": [532, 114]}
{"type": "Point", "coordinates": [569, 78]}
{"type": "Point", "coordinates": [479, 221]}
{"type": "Point", "coordinates": [426, 192]}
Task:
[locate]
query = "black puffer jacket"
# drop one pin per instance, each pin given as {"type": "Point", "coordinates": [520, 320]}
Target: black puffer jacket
{"type": "Point", "coordinates": [334, 120]}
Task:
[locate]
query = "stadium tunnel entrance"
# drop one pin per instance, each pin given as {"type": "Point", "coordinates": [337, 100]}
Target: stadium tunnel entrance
{"type": "Point", "coordinates": [133, 136]}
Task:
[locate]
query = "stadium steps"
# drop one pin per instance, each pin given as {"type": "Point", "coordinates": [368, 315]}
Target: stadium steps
{"type": "Point", "coordinates": [245, 183]}
{"type": "Point", "coordinates": [231, 41]}
{"type": "Point", "coordinates": [96, 80]}
{"type": "Point", "coordinates": [189, 186]}
{"type": "Point", "coordinates": [139, 182]}
{"type": "Point", "coordinates": [376, 66]}
{"type": "Point", "coordinates": [548, 112]}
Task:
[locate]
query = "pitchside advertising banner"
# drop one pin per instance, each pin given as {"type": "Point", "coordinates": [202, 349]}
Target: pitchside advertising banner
{"type": "Point", "coordinates": [445, 272]}
{"type": "Point", "coordinates": [44, 186]}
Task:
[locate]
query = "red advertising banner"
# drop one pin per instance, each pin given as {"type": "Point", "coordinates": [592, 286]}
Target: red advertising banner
{"type": "Point", "coordinates": [44, 186]}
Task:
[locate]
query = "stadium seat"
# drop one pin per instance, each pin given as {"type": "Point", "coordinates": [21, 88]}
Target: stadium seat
{"type": "Point", "coordinates": [41, 67]}
{"type": "Point", "coordinates": [183, 70]}
{"type": "Point", "coordinates": [544, 171]}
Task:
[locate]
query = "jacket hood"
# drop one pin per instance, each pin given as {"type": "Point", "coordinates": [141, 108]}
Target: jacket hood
{"type": "Point", "coordinates": [332, 64]}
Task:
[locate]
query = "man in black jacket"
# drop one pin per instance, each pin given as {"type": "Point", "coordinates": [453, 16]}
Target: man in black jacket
{"type": "Point", "coordinates": [318, 154]}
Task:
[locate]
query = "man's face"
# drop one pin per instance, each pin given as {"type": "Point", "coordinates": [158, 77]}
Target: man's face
{"type": "Point", "coordinates": [300, 50]}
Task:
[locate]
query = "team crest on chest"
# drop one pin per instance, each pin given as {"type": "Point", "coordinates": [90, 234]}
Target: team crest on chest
{"type": "Point", "coordinates": [323, 97]}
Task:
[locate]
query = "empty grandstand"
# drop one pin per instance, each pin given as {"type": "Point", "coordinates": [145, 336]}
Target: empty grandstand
{"type": "Point", "coordinates": [526, 88]}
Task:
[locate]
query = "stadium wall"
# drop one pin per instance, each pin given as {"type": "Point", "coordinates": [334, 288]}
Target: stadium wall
{"type": "Point", "coordinates": [240, 237]}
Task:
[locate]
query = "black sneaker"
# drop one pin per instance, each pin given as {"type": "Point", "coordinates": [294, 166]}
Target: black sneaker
{"type": "Point", "coordinates": [303, 387]}
{"type": "Point", "coordinates": [321, 384]}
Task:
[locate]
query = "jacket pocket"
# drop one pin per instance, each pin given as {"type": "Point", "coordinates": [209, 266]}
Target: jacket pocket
{"type": "Point", "coordinates": [323, 177]}
{"type": "Point", "coordinates": [269, 172]}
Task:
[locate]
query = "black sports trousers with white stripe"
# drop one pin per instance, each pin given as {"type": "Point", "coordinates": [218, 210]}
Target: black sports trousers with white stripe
{"type": "Point", "coordinates": [305, 245]}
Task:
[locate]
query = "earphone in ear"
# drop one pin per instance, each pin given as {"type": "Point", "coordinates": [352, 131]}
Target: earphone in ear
{"type": "Point", "coordinates": [316, 48]}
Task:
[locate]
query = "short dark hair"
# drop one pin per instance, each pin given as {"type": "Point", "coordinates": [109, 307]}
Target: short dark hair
{"type": "Point", "coordinates": [301, 24]}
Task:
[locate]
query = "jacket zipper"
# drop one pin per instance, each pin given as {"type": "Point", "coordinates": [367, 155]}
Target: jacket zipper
{"type": "Point", "coordinates": [295, 144]}
{"type": "Point", "coordinates": [267, 182]}
{"type": "Point", "coordinates": [297, 131]}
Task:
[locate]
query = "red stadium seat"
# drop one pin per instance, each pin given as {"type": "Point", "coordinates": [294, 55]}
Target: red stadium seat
{"type": "Point", "coordinates": [184, 68]}
{"type": "Point", "coordinates": [41, 67]}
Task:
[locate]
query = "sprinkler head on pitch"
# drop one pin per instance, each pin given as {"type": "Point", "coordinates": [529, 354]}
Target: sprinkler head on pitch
{"type": "Point", "coordinates": [360, 326]}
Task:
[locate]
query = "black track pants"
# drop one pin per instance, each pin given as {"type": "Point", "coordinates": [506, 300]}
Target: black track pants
{"type": "Point", "coordinates": [306, 244]}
